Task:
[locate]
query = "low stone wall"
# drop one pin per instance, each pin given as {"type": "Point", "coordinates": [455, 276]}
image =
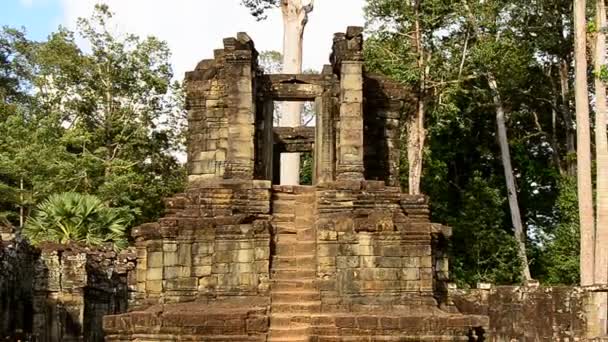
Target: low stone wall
{"type": "Point", "coordinates": [213, 242]}
{"type": "Point", "coordinates": [519, 313]}
{"type": "Point", "coordinates": [16, 288]}
{"type": "Point", "coordinates": [374, 248]}
{"type": "Point", "coordinates": [60, 292]}
{"type": "Point", "coordinates": [226, 320]}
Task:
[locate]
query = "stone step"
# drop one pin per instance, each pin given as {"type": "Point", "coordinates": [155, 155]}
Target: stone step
{"type": "Point", "coordinates": [389, 338]}
{"type": "Point", "coordinates": [286, 320]}
{"type": "Point", "coordinates": [305, 234]}
{"type": "Point", "coordinates": [301, 307]}
{"type": "Point", "coordinates": [293, 331]}
{"type": "Point", "coordinates": [286, 238]}
{"type": "Point", "coordinates": [285, 228]}
{"type": "Point", "coordinates": [297, 248]}
{"type": "Point", "coordinates": [292, 284]}
{"type": "Point", "coordinates": [294, 262]}
{"type": "Point", "coordinates": [288, 339]}
{"type": "Point", "coordinates": [281, 206]}
{"type": "Point", "coordinates": [281, 217]}
{"type": "Point", "coordinates": [293, 274]}
{"type": "Point", "coordinates": [295, 296]}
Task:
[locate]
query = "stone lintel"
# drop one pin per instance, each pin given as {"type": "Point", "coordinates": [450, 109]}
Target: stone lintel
{"type": "Point", "coordinates": [294, 139]}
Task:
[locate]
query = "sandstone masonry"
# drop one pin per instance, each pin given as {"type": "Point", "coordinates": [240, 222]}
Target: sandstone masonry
{"type": "Point", "coordinates": [237, 258]}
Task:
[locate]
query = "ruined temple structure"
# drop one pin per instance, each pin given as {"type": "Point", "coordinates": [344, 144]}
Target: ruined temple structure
{"type": "Point", "coordinates": [239, 258]}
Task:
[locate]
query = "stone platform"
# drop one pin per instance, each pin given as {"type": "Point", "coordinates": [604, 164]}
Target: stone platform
{"type": "Point", "coordinates": [351, 258]}
{"type": "Point", "coordinates": [345, 261]}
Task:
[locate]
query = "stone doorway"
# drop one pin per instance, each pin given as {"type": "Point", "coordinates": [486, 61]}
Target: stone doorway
{"type": "Point", "coordinates": [294, 140]}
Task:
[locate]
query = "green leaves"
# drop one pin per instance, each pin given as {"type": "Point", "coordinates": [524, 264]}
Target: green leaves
{"type": "Point", "coordinates": [527, 46]}
{"type": "Point", "coordinates": [258, 8]}
{"type": "Point", "coordinates": [106, 120]}
{"type": "Point", "coordinates": [73, 217]}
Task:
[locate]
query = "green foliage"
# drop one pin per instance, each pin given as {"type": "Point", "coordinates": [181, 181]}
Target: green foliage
{"type": "Point", "coordinates": [258, 8]}
{"type": "Point", "coordinates": [483, 251]}
{"type": "Point", "coordinates": [522, 43]}
{"type": "Point", "coordinates": [107, 122]}
{"type": "Point", "coordinates": [306, 163]}
{"type": "Point", "coordinates": [73, 217]}
{"type": "Point", "coordinates": [561, 257]}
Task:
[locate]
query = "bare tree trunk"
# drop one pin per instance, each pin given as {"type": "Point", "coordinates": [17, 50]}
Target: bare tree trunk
{"type": "Point", "coordinates": [415, 147]}
{"type": "Point", "coordinates": [601, 151]}
{"type": "Point", "coordinates": [564, 67]}
{"type": "Point", "coordinates": [21, 207]}
{"type": "Point", "coordinates": [505, 155]}
{"type": "Point", "coordinates": [295, 16]}
{"type": "Point", "coordinates": [585, 193]}
{"type": "Point", "coordinates": [416, 133]}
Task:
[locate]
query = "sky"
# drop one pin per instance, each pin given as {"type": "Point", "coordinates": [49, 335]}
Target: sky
{"type": "Point", "coordinates": [192, 28]}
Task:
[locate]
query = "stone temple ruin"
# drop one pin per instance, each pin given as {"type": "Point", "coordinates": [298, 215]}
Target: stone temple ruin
{"type": "Point", "coordinates": [237, 258]}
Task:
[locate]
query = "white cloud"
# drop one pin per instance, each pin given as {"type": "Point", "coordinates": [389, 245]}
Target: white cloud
{"type": "Point", "coordinates": [194, 28]}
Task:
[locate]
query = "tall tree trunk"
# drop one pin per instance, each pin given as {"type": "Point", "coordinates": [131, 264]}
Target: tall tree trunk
{"type": "Point", "coordinates": [416, 133]}
{"type": "Point", "coordinates": [564, 68]}
{"type": "Point", "coordinates": [583, 148]}
{"type": "Point", "coordinates": [21, 206]}
{"type": "Point", "coordinates": [505, 154]}
{"type": "Point", "coordinates": [295, 16]}
{"type": "Point", "coordinates": [415, 147]}
{"type": "Point", "coordinates": [601, 152]}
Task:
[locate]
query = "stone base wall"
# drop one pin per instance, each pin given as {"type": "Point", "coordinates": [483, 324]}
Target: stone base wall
{"type": "Point", "coordinates": [374, 247]}
{"type": "Point", "coordinates": [16, 288]}
{"type": "Point", "coordinates": [60, 293]}
{"type": "Point", "coordinates": [524, 314]}
{"type": "Point", "coordinates": [214, 242]}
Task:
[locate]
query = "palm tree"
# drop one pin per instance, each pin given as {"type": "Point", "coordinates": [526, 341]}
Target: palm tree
{"type": "Point", "coordinates": [75, 217]}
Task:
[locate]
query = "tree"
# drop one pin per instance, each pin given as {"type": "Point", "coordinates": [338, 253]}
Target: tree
{"type": "Point", "coordinates": [120, 109]}
{"type": "Point", "coordinates": [404, 45]}
{"type": "Point", "coordinates": [295, 16]}
{"type": "Point", "coordinates": [104, 122]}
{"type": "Point", "coordinates": [502, 137]}
{"type": "Point", "coordinates": [601, 149]}
{"type": "Point", "coordinates": [585, 192]}
{"type": "Point", "coordinates": [73, 217]}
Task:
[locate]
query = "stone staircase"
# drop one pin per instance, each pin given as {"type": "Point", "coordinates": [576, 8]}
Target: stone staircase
{"type": "Point", "coordinates": [294, 296]}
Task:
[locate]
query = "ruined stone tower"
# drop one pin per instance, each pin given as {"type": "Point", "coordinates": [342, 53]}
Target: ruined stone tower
{"type": "Point", "coordinates": [237, 258]}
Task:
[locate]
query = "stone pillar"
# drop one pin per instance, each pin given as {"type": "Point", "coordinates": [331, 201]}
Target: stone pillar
{"type": "Point", "coordinates": [207, 125]}
{"type": "Point", "coordinates": [393, 141]}
{"type": "Point", "coordinates": [61, 278]}
{"type": "Point", "coordinates": [265, 139]}
{"type": "Point", "coordinates": [241, 107]}
{"type": "Point", "coordinates": [350, 149]}
{"type": "Point", "coordinates": [221, 113]}
{"type": "Point", "coordinates": [324, 148]}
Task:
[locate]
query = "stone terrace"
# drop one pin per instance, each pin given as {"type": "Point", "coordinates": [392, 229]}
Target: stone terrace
{"type": "Point", "coordinates": [350, 258]}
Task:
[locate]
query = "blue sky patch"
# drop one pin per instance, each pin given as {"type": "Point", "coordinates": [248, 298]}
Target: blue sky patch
{"type": "Point", "coordinates": [39, 17]}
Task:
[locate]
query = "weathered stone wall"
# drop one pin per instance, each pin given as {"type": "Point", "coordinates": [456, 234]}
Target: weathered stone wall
{"type": "Point", "coordinates": [16, 288]}
{"type": "Point", "coordinates": [383, 106]}
{"type": "Point", "coordinates": [74, 287]}
{"type": "Point", "coordinates": [213, 242]}
{"type": "Point", "coordinates": [221, 112]}
{"type": "Point", "coordinates": [373, 247]}
{"type": "Point", "coordinates": [226, 321]}
{"type": "Point", "coordinates": [59, 292]}
{"type": "Point", "coordinates": [519, 313]}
